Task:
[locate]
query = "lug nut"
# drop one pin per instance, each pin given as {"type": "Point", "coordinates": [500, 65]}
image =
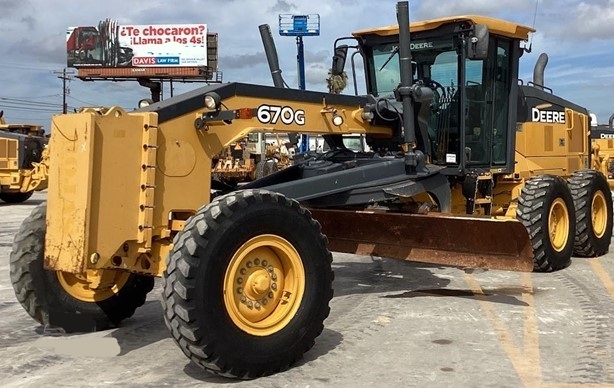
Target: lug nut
{"type": "Point", "coordinates": [243, 299]}
{"type": "Point", "coordinates": [264, 263]}
{"type": "Point", "coordinates": [239, 290]}
{"type": "Point", "coordinates": [257, 305]}
{"type": "Point", "coordinates": [270, 268]}
{"type": "Point", "coordinates": [243, 271]}
{"type": "Point", "coordinates": [271, 295]}
{"type": "Point", "coordinates": [257, 261]}
{"type": "Point", "coordinates": [274, 286]}
{"type": "Point", "coordinates": [249, 264]}
{"type": "Point", "coordinates": [240, 280]}
{"type": "Point", "coordinates": [265, 301]}
{"type": "Point", "coordinates": [250, 304]}
{"type": "Point", "coordinates": [274, 276]}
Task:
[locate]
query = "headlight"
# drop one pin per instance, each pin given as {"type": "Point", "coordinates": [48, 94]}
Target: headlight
{"type": "Point", "coordinates": [337, 120]}
{"type": "Point", "coordinates": [145, 103]}
{"type": "Point", "coordinates": [213, 101]}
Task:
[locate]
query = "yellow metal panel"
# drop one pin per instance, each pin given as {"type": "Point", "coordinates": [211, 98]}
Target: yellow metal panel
{"type": "Point", "coordinates": [4, 148]}
{"type": "Point", "coordinates": [94, 186]}
{"type": "Point", "coordinates": [12, 152]}
{"type": "Point", "coordinates": [71, 155]}
{"type": "Point", "coordinates": [577, 126]}
{"type": "Point", "coordinates": [548, 138]}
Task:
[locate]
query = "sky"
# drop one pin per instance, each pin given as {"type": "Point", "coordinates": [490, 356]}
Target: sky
{"type": "Point", "coordinates": [577, 36]}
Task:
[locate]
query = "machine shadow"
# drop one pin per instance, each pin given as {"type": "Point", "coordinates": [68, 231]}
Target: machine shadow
{"type": "Point", "coordinates": [402, 279]}
{"type": "Point", "coordinates": [32, 202]}
{"type": "Point", "coordinates": [326, 342]}
{"type": "Point", "coordinates": [354, 275]}
{"type": "Point", "coordinates": [148, 319]}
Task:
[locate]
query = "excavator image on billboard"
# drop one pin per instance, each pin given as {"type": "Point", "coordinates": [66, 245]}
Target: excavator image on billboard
{"type": "Point", "coordinates": [467, 166]}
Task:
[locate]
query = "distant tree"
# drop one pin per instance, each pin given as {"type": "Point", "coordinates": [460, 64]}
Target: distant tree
{"type": "Point", "coordinates": [336, 83]}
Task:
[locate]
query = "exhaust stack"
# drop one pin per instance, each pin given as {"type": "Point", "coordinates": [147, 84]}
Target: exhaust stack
{"type": "Point", "coordinates": [271, 55]}
{"type": "Point", "coordinates": [538, 71]}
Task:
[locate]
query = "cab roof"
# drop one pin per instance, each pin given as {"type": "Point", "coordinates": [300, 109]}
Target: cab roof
{"type": "Point", "coordinates": [495, 26]}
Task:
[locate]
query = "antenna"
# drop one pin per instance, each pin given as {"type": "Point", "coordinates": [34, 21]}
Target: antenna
{"type": "Point", "coordinates": [528, 50]}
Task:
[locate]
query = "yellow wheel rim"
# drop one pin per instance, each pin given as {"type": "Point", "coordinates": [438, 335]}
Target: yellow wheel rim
{"type": "Point", "coordinates": [81, 287]}
{"type": "Point", "coordinates": [558, 225]}
{"type": "Point", "coordinates": [264, 285]}
{"type": "Point", "coordinates": [599, 210]}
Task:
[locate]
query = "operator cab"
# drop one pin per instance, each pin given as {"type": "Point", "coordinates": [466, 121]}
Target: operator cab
{"type": "Point", "coordinates": [471, 121]}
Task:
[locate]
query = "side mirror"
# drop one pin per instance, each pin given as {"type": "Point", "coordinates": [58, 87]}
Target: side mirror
{"type": "Point", "coordinates": [477, 47]}
{"type": "Point", "coordinates": [341, 53]}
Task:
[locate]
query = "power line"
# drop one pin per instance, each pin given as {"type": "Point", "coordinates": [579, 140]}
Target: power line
{"type": "Point", "coordinates": [35, 97]}
{"type": "Point", "coordinates": [27, 102]}
{"type": "Point", "coordinates": [84, 102]}
{"type": "Point", "coordinates": [20, 66]}
{"type": "Point", "coordinates": [29, 109]}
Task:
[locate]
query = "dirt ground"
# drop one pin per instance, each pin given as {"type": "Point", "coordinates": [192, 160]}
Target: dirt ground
{"type": "Point", "coordinates": [392, 324]}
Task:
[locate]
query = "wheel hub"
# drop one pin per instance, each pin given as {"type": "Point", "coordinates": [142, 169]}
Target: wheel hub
{"type": "Point", "coordinates": [558, 224]}
{"type": "Point", "coordinates": [264, 285]}
{"type": "Point", "coordinates": [599, 212]}
{"type": "Point", "coordinates": [94, 285]}
{"type": "Point", "coordinates": [259, 284]}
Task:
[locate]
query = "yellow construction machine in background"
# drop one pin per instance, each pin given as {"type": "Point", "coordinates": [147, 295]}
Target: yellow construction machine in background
{"type": "Point", "coordinates": [465, 168]}
{"type": "Point", "coordinates": [602, 140]}
{"type": "Point", "coordinates": [22, 149]}
{"type": "Point", "coordinates": [253, 157]}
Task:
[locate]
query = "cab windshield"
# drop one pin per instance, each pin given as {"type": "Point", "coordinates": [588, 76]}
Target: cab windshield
{"type": "Point", "coordinates": [437, 64]}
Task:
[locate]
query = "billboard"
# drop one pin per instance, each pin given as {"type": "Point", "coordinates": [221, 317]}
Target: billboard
{"type": "Point", "coordinates": [154, 45]}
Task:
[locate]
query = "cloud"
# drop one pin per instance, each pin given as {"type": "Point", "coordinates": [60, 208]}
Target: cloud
{"type": "Point", "coordinates": [578, 36]}
{"type": "Point", "coordinates": [584, 21]}
{"type": "Point", "coordinates": [243, 61]}
{"type": "Point", "coordinates": [283, 6]}
{"type": "Point", "coordinates": [50, 49]}
{"type": "Point", "coordinates": [315, 75]}
{"type": "Point", "coordinates": [425, 9]}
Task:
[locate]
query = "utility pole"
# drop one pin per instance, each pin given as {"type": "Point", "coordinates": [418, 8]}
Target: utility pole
{"type": "Point", "coordinates": [65, 77]}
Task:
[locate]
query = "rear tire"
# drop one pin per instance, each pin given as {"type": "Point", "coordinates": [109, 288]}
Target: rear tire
{"type": "Point", "coordinates": [248, 284]}
{"type": "Point", "coordinates": [593, 203]}
{"type": "Point", "coordinates": [15, 197]}
{"type": "Point", "coordinates": [546, 209]}
{"type": "Point", "coordinates": [43, 296]}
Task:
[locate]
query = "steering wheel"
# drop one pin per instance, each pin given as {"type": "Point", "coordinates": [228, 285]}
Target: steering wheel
{"type": "Point", "coordinates": [439, 92]}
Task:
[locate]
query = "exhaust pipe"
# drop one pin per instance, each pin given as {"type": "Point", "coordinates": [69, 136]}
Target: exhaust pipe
{"type": "Point", "coordinates": [271, 55]}
{"type": "Point", "coordinates": [538, 71]}
{"type": "Point", "coordinates": [406, 74]}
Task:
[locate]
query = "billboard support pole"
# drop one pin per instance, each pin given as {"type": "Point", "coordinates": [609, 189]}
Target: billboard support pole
{"type": "Point", "coordinates": [154, 86]}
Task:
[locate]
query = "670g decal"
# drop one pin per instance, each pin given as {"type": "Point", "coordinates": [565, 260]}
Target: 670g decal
{"type": "Point", "coordinates": [271, 114]}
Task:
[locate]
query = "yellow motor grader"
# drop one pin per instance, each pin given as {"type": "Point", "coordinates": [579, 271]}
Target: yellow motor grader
{"type": "Point", "coordinates": [22, 160]}
{"type": "Point", "coordinates": [467, 168]}
{"type": "Point", "coordinates": [602, 140]}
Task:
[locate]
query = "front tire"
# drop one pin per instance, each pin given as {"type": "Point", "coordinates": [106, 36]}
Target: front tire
{"type": "Point", "coordinates": [64, 299]}
{"type": "Point", "coordinates": [546, 209]}
{"type": "Point", "coordinates": [248, 284]}
{"type": "Point", "coordinates": [593, 203]}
